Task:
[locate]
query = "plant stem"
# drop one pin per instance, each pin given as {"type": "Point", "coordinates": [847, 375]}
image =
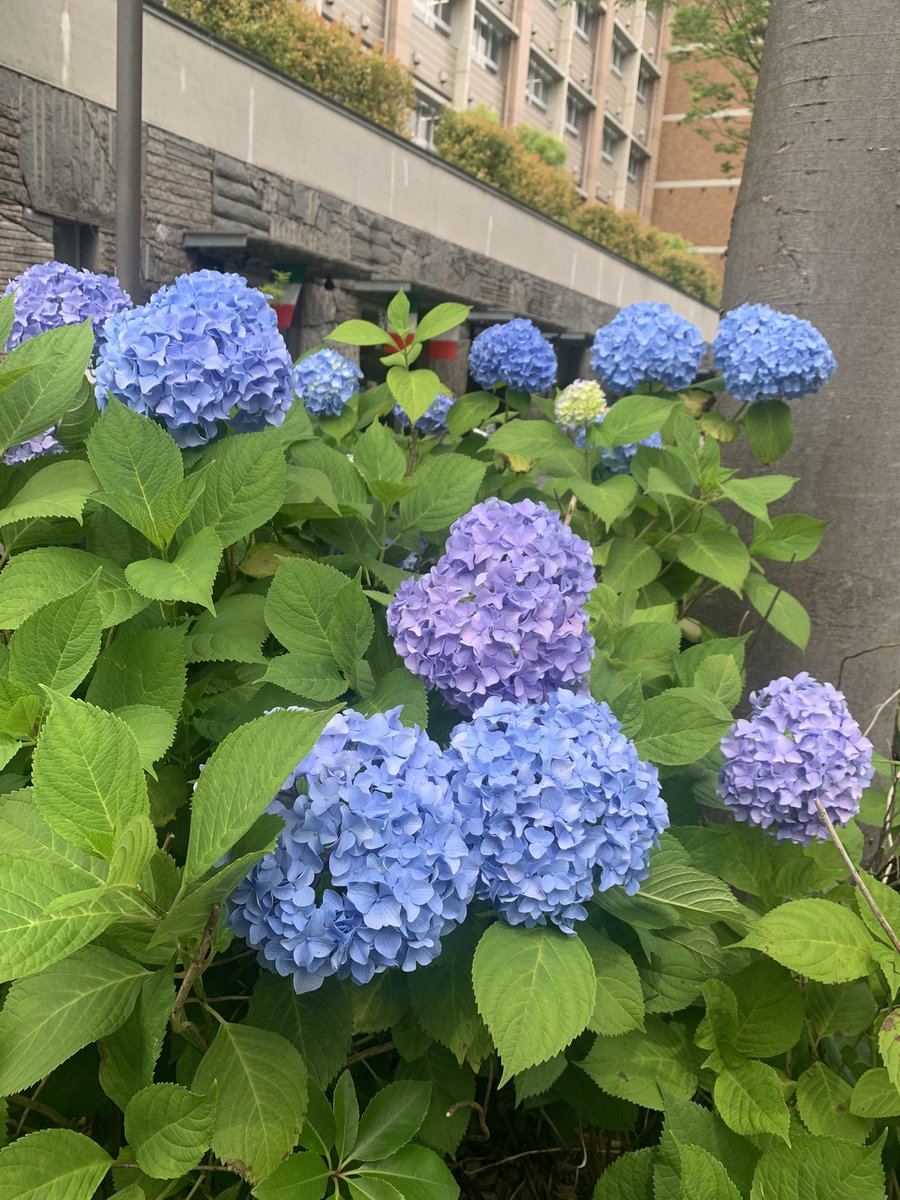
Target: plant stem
{"type": "Point", "coordinates": [180, 1023]}
{"type": "Point", "coordinates": [856, 877]}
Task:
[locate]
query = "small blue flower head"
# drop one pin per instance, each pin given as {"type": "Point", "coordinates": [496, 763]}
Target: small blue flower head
{"type": "Point", "coordinates": [52, 294]}
{"type": "Point", "coordinates": [769, 355]}
{"type": "Point", "coordinates": [617, 460]}
{"type": "Point", "coordinates": [36, 447]}
{"type": "Point", "coordinates": [799, 744]}
{"type": "Point", "coordinates": [515, 354]}
{"type": "Point", "coordinates": [326, 381]}
{"type": "Point", "coordinates": [205, 352]}
{"type": "Point", "coordinates": [579, 404]}
{"type": "Point", "coordinates": [434, 419]}
{"type": "Point", "coordinates": [557, 804]}
{"type": "Point", "coordinates": [502, 612]}
{"type": "Point", "coordinates": [647, 343]}
{"type": "Point", "coordinates": [371, 869]}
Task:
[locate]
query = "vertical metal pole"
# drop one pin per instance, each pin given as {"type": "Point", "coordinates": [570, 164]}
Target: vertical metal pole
{"type": "Point", "coordinates": [129, 54]}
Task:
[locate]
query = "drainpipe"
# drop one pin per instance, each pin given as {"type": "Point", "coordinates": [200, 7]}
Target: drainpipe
{"type": "Point", "coordinates": [129, 53]}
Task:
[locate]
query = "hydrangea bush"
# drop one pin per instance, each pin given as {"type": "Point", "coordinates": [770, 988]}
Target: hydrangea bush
{"type": "Point", "coordinates": [362, 760]}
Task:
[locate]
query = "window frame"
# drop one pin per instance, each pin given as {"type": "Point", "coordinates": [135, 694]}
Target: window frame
{"type": "Point", "coordinates": [584, 10]}
{"type": "Point", "coordinates": [427, 12]}
{"type": "Point", "coordinates": [575, 129]}
{"type": "Point", "coordinates": [634, 172]}
{"type": "Point", "coordinates": [616, 139]}
{"type": "Point", "coordinates": [618, 48]}
{"type": "Point", "coordinates": [481, 59]}
{"type": "Point", "coordinates": [646, 81]}
{"type": "Point", "coordinates": [540, 98]}
{"type": "Point", "coordinates": [423, 103]}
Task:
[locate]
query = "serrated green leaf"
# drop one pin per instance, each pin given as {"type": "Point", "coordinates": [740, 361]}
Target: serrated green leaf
{"type": "Point", "coordinates": [703, 1175]}
{"type": "Point", "coordinates": [128, 1055]}
{"type": "Point", "coordinates": [681, 725]}
{"type": "Point", "coordinates": [444, 999]}
{"type": "Point", "coordinates": [414, 391]}
{"type": "Point", "coordinates": [55, 647]}
{"type": "Point", "coordinates": [415, 1173]}
{"type": "Point", "coordinates": [791, 537]}
{"type": "Point", "coordinates": [823, 1101]}
{"type": "Point", "coordinates": [719, 677]}
{"type": "Point", "coordinates": [470, 411]}
{"type": "Point", "coordinates": [52, 1164]}
{"type": "Point", "coordinates": [244, 486]}
{"type": "Point", "coordinates": [629, 1177]}
{"type": "Point", "coordinates": [58, 490]}
{"type": "Point", "coordinates": [825, 1170]}
{"type": "Point", "coordinates": [235, 633]}
{"type": "Point", "coordinates": [609, 500]}
{"type": "Point", "coordinates": [749, 1100]}
{"type": "Point", "coordinates": [632, 419]}
{"type": "Point", "coordinates": [40, 379]}
{"type": "Point", "coordinates": [169, 1128]}
{"type": "Point", "coordinates": [377, 455]}
{"type": "Point", "coordinates": [780, 609]}
{"type": "Point", "coordinates": [440, 319]}
{"type": "Point", "coordinates": [446, 487]}
{"type": "Point", "coordinates": [754, 495]}
{"type": "Point", "coordinates": [31, 580]}
{"type": "Point", "coordinates": [638, 1065]}
{"type": "Point", "coordinates": [152, 726]}
{"type": "Point", "coordinates": [770, 1009]}
{"type": "Point", "coordinates": [840, 1008]}
{"type": "Point", "coordinates": [399, 687]}
{"type": "Point", "coordinates": [141, 668]}
{"type": "Point", "coordinates": [304, 1176]}
{"type": "Point", "coordinates": [875, 1096]}
{"type": "Point", "coordinates": [619, 1006]}
{"type": "Point", "coordinates": [346, 1115]}
{"type": "Point", "coordinates": [816, 938]}
{"type": "Point", "coordinates": [717, 553]}
{"type": "Point", "coordinates": [392, 1118]}
{"type": "Point", "coordinates": [535, 989]}
{"type": "Point", "coordinates": [189, 577]}
{"type": "Point", "coordinates": [539, 441]}
{"type": "Point", "coordinates": [359, 333]}
{"type": "Point", "coordinates": [630, 565]}
{"type": "Point", "coordinates": [319, 1024]}
{"type": "Point", "coordinates": [770, 429]}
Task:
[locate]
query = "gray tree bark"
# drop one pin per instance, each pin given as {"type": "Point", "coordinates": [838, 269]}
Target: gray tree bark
{"type": "Point", "coordinates": [817, 233]}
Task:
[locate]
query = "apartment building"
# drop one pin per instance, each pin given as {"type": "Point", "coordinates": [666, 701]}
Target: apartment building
{"type": "Point", "coordinates": [593, 74]}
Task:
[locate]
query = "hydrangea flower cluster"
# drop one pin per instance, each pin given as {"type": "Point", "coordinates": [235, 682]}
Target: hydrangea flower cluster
{"type": "Point", "coordinates": [579, 404]}
{"type": "Point", "coordinates": [326, 381]}
{"type": "Point", "coordinates": [799, 744]}
{"type": "Point", "coordinates": [514, 353]}
{"type": "Point", "coordinates": [204, 350]}
{"type": "Point", "coordinates": [434, 419]}
{"type": "Point", "coordinates": [52, 294]}
{"type": "Point", "coordinates": [36, 447]}
{"type": "Point", "coordinates": [371, 869]}
{"type": "Point", "coordinates": [557, 804]}
{"type": "Point", "coordinates": [617, 460]}
{"type": "Point", "coordinates": [769, 355]}
{"type": "Point", "coordinates": [501, 613]}
{"type": "Point", "coordinates": [647, 343]}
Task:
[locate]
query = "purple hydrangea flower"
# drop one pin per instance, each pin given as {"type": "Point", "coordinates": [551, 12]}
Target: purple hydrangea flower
{"type": "Point", "coordinates": [52, 294]}
{"type": "Point", "coordinates": [647, 343]}
{"type": "Point", "coordinates": [557, 804]}
{"type": "Point", "coordinates": [204, 352]}
{"type": "Point", "coordinates": [502, 612]}
{"type": "Point", "coordinates": [371, 869]}
{"type": "Point", "coordinates": [514, 353]}
{"type": "Point", "coordinates": [799, 744]}
{"type": "Point", "coordinates": [326, 381]}
{"type": "Point", "coordinates": [769, 355]}
{"type": "Point", "coordinates": [36, 447]}
{"type": "Point", "coordinates": [434, 419]}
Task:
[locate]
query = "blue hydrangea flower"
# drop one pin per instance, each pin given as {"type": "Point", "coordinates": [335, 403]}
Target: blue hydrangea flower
{"type": "Point", "coordinates": [36, 447]}
{"type": "Point", "coordinates": [764, 354]}
{"type": "Point", "coordinates": [52, 294]}
{"type": "Point", "coordinates": [514, 353]}
{"type": "Point", "coordinates": [371, 869]}
{"type": "Point", "coordinates": [579, 404]}
{"type": "Point", "coordinates": [616, 460]}
{"type": "Point", "coordinates": [326, 381]}
{"type": "Point", "coordinates": [557, 804]}
{"type": "Point", "coordinates": [434, 419]}
{"type": "Point", "coordinates": [647, 343]}
{"type": "Point", "coordinates": [203, 353]}
{"type": "Point", "coordinates": [502, 611]}
{"type": "Point", "coordinates": [800, 743]}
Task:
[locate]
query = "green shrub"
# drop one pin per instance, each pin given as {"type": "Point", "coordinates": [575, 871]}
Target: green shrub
{"type": "Point", "coordinates": [543, 144]}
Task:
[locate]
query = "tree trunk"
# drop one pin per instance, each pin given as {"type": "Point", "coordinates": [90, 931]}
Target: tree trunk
{"type": "Point", "coordinates": [817, 233]}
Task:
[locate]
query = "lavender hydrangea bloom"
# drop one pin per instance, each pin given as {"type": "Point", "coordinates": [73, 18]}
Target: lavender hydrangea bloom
{"type": "Point", "coordinates": [501, 613]}
{"type": "Point", "coordinates": [434, 419]}
{"type": "Point", "coordinates": [371, 869]}
{"type": "Point", "coordinates": [514, 353]}
{"type": "Point", "coordinates": [36, 447]}
{"type": "Point", "coordinates": [647, 343]}
{"type": "Point", "coordinates": [52, 294]}
{"type": "Point", "coordinates": [205, 350]}
{"type": "Point", "coordinates": [800, 744]}
{"type": "Point", "coordinates": [579, 404]}
{"type": "Point", "coordinates": [326, 381]}
{"type": "Point", "coordinates": [557, 803]}
{"type": "Point", "coordinates": [769, 355]}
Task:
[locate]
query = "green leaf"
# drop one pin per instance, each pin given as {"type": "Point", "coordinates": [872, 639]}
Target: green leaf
{"type": "Point", "coordinates": [50, 1016]}
{"type": "Point", "coordinates": [56, 647]}
{"type": "Point", "coordinates": [7, 316]}
{"type": "Point", "coordinates": [843, 1008]}
{"type": "Point", "coordinates": [693, 896]}
{"type": "Point", "coordinates": [414, 391]}
{"type": "Point", "coordinates": [633, 418]}
{"type": "Point", "coordinates": [189, 577]}
{"type": "Point", "coordinates": [241, 777]}
{"type": "Point", "coordinates": [444, 999]}
{"type": "Point", "coordinates": [128, 1055]}
{"type": "Point", "coordinates": [471, 411]}
{"type": "Point", "coordinates": [440, 319]}
{"type": "Point", "coordinates": [141, 668]}
{"type": "Point", "coordinates": [359, 333]}
{"type": "Point", "coordinates": [187, 918]}
{"type": "Point", "coordinates": [770, 1009]}
{"type": "Point", "coordinates": [88, 777]}
{"type": "Point", "coordinates": [619, 1006]}
{"type": "Point", "coordinates": [630, 564]}
{"type": "Point", "coordinates": [629, 1177]}
{"type": "Point", "coordinates": [58, 490]}
{"type": "Point", "coordinates": [791, 537]}
{"type": "Point", "coordinates": [40, 379]}
{"type": "Point", "coordinates": [782, 610]}
{"type": "Point", "coordinates": [875, 1096]}
{"type": "Point", "coordinates": [346, 1116]}
{"type": "Point", "coordinates": [235, 633]}
{"type": "Point", "coordinates": [536, 1081]}
{"type": "Point", "coordinates": [312, 680]}
{"type": "Point", "coordinates": [393, 1117]}
{"type": "Point", "coordinates": [609, 500]}
{"type": "Point", "coordinates": [169, 1129]}
{"type": "Point", "coordinates": [535, 989]}
{"type": "Point", "coordinates": [703, 1175]}
{"type": "Point", "coordinates": [889, 1045]}
{"type": "Point", "coordinates": [689, 1123]}
{"type": "Point", "coordinates": [31, 580]}
{"type": "Point", "coordinates": [446, 487]}
{"type": "Point", "coordinates": [681, 725]}
{"type": "Point", "coordinates": [749, 1100]}
{"type": "Point", "coordinates": [823, 1100]}
{"type": "Point", "coordinates": [52, 1164]}
{"type": "Point", "coordinates": [816, 938]}
{"type": "Point", "coordinates": [717, 553]}
{"type": "Point", "coordinates": [754, 495]}
{"type": "Point", "coordinates": [719, 677]}
{"type": "Point", "coordinates": [415, 1173]}
{"type": "Point", "coordinates": [261, 1097]}
{"type": "Point", "coordinates": [640, 1065]}
{"type": "Point", "coordinates": [304, 1176]}
{"type": "Point", "coordinates": [770, 429]}
{"type": "Point", "coordinates": [319, 1024]}
{"type": "Point", "coordinates": [377, 455]}
{"type": "Point", "coordinates": [399, 687]}
{"type": "Point", "coordinates": [244, 486]}
{"type": "Point", "coordinates": [152, 726]}
{"type": "Point", "coordinates": [539, 441]}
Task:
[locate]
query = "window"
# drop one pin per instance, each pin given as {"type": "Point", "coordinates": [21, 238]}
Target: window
{"type": "Point", "coordinates": [425, 117]}
{"type": "Point", "coordinates": [574, 116]}
{"type": "Point", "coordinates": [620, 54]}
{"type": "Point", "coordinates": [610, 144]}
{"type": "Point", "coordinates": [645, 82]}
{"type": "Point", "coordinates": [635, 165]}
{"type": "Point", "coordinates": [435, 14]}
{"type": "Point", "coordinates": [74, 244]}
{"type": "Point", "coordinates": [486, 44]}
{"type": "Point", "coordinates": [540, 82]}
{"type": "Point", "coordinates": [584, 18]}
